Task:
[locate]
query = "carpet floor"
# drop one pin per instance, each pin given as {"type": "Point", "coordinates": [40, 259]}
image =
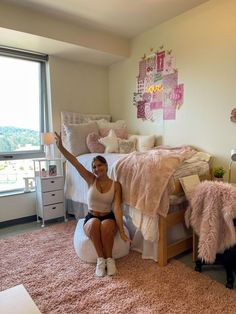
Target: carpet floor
{"type": "Point", "coordinates": [45, 262]}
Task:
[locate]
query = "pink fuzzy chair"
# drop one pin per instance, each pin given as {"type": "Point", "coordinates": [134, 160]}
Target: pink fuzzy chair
{"type": "Point", "coordinates": [212, 215]}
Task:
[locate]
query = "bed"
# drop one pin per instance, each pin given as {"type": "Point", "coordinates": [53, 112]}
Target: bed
{"type": "Point", "coordinates": [155, 218]}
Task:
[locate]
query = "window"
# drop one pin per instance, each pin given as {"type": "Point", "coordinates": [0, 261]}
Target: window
{"type": "Point", "coordinates": [23, 101]}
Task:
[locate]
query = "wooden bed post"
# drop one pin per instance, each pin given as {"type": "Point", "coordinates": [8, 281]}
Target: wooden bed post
{"type": "Point", "coordinates": [162, 242]}
{"type": "Point", "coordinates": [167, 251]}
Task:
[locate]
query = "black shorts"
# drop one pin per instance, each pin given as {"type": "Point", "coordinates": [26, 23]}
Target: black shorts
{"type": "Point", "coordinates": [101, 218]}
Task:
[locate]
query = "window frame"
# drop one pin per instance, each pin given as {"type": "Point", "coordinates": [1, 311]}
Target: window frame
{"type": "Point", "coordinates": [44, 108]}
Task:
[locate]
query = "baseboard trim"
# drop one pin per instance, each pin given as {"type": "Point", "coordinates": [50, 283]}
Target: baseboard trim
{"type": "Point", "coordinates": [9, 223]}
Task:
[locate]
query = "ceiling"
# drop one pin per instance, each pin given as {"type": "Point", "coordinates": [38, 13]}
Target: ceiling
{"type": "Point", "coordinates": [120, 18]}
{"type": "Point", "coordinates": [126, 18]}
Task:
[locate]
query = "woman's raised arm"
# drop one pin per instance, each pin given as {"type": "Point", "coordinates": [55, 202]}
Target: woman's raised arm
{"type": "Point", "coordinates": [87, 175]}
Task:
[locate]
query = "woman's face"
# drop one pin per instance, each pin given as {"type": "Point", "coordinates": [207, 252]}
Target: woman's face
{"type": "Point", "coordinates": [99, 168]}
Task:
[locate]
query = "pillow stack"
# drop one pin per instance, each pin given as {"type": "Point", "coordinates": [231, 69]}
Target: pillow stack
{"type": "Point", "coordinates": [101, 136]}
{"type": "Point", "coordinates": [113, 137]}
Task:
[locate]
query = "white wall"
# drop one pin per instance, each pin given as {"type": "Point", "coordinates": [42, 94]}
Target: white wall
{"type": "Point", "coordinates": [204, 43]}
{"type": "Point", "coordinates": [17, 206]}
{"type": "Point", "coordinates": [75, 86]}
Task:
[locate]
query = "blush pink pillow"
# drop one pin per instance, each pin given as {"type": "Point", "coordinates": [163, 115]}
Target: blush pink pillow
{"type": "Point", "coordinates": [93, 144]}
{"type": "Point", "coordinates": [120, 133]}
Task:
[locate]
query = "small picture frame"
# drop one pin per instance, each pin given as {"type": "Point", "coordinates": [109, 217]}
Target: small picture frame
{"type": "Point", "coordinates": [52, 170]}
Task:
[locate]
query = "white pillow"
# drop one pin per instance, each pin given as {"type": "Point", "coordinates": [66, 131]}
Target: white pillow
{"type": "Point", "coordinates": [143, 142]}
{"type": "Point", "coordinates": [134, 138]}
{"type": "Point", "coordinates": [104, 124]}
{"type": "Point", "coordinates": [76, 135]}
{"type": "Point", "coordinates": [110, 142]}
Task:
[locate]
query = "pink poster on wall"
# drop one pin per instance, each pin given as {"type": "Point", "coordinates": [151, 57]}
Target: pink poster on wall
{"type": "Point", "coordinates": [158, 89]}
{"type": "Point", "coordinates": [170, 80]}
{"type": "Point", "coordinates": [142, 70]}
{"type": "Point", "coordinates": [169, 113]}
{"type": "Point", "coordinates": [140, 86]}
{"type": "Point", "coordinates": [148, 112]}
{"type": "Point", "coordinates": [160, 56]}
{"type": "Point", "coordinates": [150, 64]}
{"type": "Point", "coordinates": [178, 95]}
{"type": "Point", "coordinates": [141, 109]}
{"type": "Point", "coordinates": [169, 64]}
{"type": "Point", "coordinates": [156, 105]}
{"type": "Point", "coordinates": [157, 96]}
{"type": "Point", "coordinates": [167, 97]}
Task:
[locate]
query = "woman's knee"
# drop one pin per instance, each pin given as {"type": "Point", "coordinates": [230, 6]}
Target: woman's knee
{"type": "Point", "coordinates": [108, 227]}
{"type": "Point", "coordinates": [92, 227]}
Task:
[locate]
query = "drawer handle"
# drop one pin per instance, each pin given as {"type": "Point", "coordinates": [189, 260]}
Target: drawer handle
{"type": "Point", "coordinates": [52, 181]}
{"type": "Point", "coordinates": [54, 207]}
{"type": "Point", "coordinates": [52, 194]}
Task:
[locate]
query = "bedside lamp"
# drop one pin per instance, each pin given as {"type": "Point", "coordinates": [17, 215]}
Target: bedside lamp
{"type": "Point", "coordinates": [233, 158]}
{"type": "Point", "coordinates": [47, 139]}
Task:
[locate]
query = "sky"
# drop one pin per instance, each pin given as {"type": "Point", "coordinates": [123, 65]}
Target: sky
{"type": "Point", "coordinates": [19, 108]}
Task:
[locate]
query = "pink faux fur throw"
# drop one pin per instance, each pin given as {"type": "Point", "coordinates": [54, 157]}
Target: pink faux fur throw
{"type": "Point", "coordinates": [145, 178]}
{"type": "Point", "coordinates": [211, 214]}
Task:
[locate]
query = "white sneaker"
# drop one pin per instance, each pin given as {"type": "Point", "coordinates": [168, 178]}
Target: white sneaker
{"type": "Point", "coordinates": [100, 267]}
{"type": "Point", "coordinates": [111, 266]}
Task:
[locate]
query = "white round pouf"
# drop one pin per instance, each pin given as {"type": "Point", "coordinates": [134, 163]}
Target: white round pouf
{"type": "Point", "coordinates": [86, 251]}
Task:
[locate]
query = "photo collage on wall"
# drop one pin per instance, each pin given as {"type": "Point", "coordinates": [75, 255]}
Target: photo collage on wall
{"type": "Point", "coordinates": [158, 94]}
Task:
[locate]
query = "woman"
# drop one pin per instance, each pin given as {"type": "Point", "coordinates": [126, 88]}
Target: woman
{"type": "Point", "coordinates": [101, 223]}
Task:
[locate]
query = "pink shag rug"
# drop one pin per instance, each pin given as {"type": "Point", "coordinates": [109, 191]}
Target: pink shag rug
{"type": "Point", "coordinates": [45, 262]}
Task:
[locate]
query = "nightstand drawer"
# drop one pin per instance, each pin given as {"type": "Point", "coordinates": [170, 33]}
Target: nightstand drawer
{"type": "Point", "coordinates": [53, 211]}
{"type": "Point", "coordinates": [53, 197]}
{"type": "Point", "coordinates": [51, 184]}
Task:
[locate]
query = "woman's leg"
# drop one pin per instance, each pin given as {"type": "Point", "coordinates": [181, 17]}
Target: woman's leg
{"type": "Point", "coordinates": [92, 229]}
{"type": "Point", "coordinates": [108, 231]}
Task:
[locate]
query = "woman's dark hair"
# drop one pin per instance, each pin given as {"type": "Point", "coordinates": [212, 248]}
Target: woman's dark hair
{"type": "Point", "coordinates": [99, 158]}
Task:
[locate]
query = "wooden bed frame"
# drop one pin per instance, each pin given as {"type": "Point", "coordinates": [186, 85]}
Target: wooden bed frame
{"type": "Point", "coordinates": [167, 251]}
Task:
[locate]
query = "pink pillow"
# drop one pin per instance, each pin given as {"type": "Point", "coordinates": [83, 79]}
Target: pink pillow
{"type": "Point", "coordinates": [120, 133]}
{"type": "Point", "coordinates": [93, 145]}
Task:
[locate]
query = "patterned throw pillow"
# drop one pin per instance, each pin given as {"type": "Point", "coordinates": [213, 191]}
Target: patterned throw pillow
{"type": "Point", "coordinates": [126, 146]}
{"type": "Point", "coordinates": [93, 144]}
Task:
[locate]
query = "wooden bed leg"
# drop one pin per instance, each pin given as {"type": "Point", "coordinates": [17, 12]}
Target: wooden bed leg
{"type": "Point", "coordinates": [162, 242]}
{"type": "Point", "coordinates": [195, 246]}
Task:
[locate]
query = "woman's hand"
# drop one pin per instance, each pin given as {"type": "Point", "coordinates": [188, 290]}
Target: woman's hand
{"type": "Point", "coordinates": [58, 140]}
{"type": "Point", "coordinates": [124, 236]}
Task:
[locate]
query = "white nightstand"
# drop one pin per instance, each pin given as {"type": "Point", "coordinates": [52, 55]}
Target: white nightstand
{"type": "Point", "coordinates": [49, 181]}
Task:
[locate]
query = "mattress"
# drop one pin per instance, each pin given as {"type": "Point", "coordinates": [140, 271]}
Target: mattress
{"type": "Point", "coordinates": [76, 188]}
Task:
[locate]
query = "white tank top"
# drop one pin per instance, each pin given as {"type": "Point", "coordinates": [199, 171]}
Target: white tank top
{"type": "Point", "coordinates": [100, 202]}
